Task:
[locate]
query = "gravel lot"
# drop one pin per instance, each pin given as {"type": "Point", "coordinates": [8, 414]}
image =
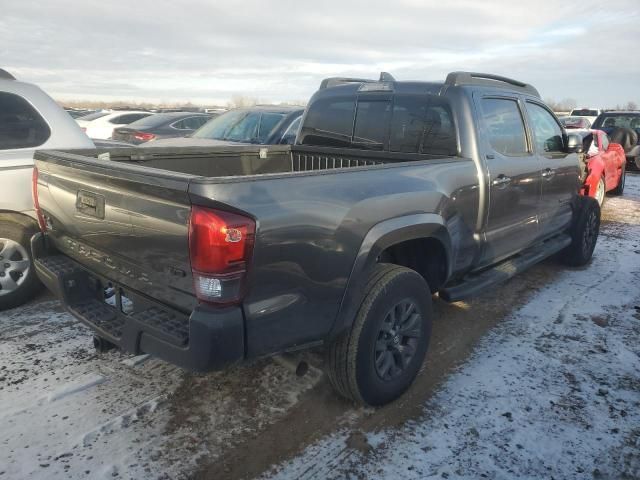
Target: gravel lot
{"type": "Point", "coordinates": [538, 378]}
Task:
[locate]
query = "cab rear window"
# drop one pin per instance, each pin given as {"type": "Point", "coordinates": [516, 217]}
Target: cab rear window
{"type": "Point", "coordinates": [329, 122]}
{"type": "Point", "coordinates": [422, 125]}
{"type": "Point", "coordinates": [399, 123]}
{"type": "Point", "coordinates": [21, 126]}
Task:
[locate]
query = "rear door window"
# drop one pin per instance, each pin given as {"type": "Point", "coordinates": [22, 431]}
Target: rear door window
{"type": "Point", "coordinates": [197, 122]}
{"type": "Point", "coordinates": [329, 122]}
{"type": "Point", "coordinates": [504, 125]}
{"type": "Point", "coordinates": [190, 123]}
{"type": "Point", "coordinates": [21, 126]}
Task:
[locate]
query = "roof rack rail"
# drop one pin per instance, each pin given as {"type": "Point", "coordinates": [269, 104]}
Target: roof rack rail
{"type": "Point", "coordinates": [475, 78]}
{"type": "Point", "coordinates": [335, 81]}
{"type": "Point", "coordinates": [6, 75]}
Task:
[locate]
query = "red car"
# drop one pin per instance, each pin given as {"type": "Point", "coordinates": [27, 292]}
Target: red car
{"type": "Point", "coordinates": [605, 164]}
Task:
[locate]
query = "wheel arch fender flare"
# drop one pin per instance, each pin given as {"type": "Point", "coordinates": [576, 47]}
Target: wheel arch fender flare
{"type": "Point", "coordinates": [378, 238]}
{"type": "Point", "coordinates": [19, 218]}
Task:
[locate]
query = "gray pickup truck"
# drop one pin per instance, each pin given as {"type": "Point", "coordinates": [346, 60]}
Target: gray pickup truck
{"type": "Point", "coordinates": [393, 191]}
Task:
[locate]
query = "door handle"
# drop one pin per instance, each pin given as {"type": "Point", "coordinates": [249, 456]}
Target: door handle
{"type": "Point", "coordinates": [548, 173]}
{"type": "Point", "coordinates": [501, 181]}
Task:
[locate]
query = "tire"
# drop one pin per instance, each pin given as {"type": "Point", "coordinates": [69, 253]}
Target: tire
{"type": "Point", "coordinates": [626, 137]}
{"type": "Point", "coordinates": [601, 191]}
{"type": "Point", "coordinates": [366, 364]}
{"type": "Point", "coordinates": [623, 177]}
{"type": "Point", "coordinates": [584, 233]}
{"type": "Point", "coordinates": [18, 279]}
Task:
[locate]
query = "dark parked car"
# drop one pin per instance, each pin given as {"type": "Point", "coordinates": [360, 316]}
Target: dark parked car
{"type": "Point", "coordinates": [394, 191]}
{"type": "Point", "coordinates": [161, 125]}
{"type": "Point", "coordinates": [263, 125]}
{"type": "Point", "coordinates": [622, 127]}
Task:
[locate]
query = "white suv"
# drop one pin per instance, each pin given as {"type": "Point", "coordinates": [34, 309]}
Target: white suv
{"type": "Point", "coordinates": [29, 120]}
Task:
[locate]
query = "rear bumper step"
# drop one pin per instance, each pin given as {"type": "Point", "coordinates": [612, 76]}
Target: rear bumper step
{"type": "Point", "coordinates": [474, 284]}
{"type": "Point", "coordinates": [208, 339]}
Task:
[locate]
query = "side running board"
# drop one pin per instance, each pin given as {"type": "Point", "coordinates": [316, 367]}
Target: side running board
{"type": "Point", "coordinates": [474, 284]}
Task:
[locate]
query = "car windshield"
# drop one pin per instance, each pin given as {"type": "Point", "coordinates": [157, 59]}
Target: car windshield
{"type": "Point", "coordinates": [239, 126]}
{"type": "Point", "coordinates": [289, 136]}
{"type": "Point", "coordinates": [93, 116]}
{"type": "Point", "coordinates": [621, 120]}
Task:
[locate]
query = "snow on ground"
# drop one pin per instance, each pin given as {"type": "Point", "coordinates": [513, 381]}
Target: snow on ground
{"type": "Point", "coordinates": [553, 392]}
{"type": "Point", "coordinates": [67, 412]}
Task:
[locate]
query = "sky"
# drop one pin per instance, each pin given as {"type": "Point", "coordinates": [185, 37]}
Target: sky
{"type": "Point", "coordinates": [280, 50]}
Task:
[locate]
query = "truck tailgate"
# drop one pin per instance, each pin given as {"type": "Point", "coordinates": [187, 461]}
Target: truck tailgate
{"type": "Point", "coordinates": [126, 223]}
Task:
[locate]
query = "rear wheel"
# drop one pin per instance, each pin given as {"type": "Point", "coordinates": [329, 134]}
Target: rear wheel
{"type": "Point", "coordinates": [601, 190]}
{"type": "Point", "coordinates": [378, 359]}
{"type": "Point", "coordinates": [623, 176]}
{"type": "Point", "coordinates": [18, 280]}
{"type": "Point", "coordinates": [584, 233]}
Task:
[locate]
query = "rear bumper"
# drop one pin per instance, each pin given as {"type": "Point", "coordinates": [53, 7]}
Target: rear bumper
{"type": "Point", "coordinates": [207, 339]}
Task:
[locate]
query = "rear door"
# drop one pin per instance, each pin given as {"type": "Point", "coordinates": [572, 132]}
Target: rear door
{"type": "Point", "coordinates": [560, 171]}
{"type": "Point", "coordinates": [514, 176]}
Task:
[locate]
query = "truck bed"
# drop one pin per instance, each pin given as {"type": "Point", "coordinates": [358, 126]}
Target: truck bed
{"type": "Point", "coordinates": [125, 217]}
{"type": "Point", "coordinates": [215, 162]}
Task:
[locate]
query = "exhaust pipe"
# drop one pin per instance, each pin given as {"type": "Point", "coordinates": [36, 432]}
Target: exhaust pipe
{"type": "Point", "coordinates": [102, 345]}
{"type": "Point", "coordinates": [298, 367]}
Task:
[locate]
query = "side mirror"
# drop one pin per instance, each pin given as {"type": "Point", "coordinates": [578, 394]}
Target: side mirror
{"type": "Point", "coordinates": [574, 143]}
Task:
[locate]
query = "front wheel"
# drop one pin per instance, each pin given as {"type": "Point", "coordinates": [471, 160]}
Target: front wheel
{"type": "Point", "coordinates": [584, 232]}
{"type": "Point", "coordinates": [18, 280]}
{"type": "Point", "coordinates": [379, 358]}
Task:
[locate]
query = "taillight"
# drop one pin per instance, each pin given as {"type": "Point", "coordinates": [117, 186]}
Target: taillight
{"type": "Point", "coordinates": [220, 247]}
{"type": "Point", "coordinates": [36, 202]}
{"type": "Point", "coordinates": [143, 136]}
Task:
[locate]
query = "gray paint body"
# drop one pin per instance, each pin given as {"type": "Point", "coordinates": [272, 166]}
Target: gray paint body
{"type": "Point", "coordinates": [318, 232]}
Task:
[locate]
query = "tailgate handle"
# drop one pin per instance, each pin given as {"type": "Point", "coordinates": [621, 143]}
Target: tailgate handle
{"type": "Point", "coordinates": [89, 203]}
